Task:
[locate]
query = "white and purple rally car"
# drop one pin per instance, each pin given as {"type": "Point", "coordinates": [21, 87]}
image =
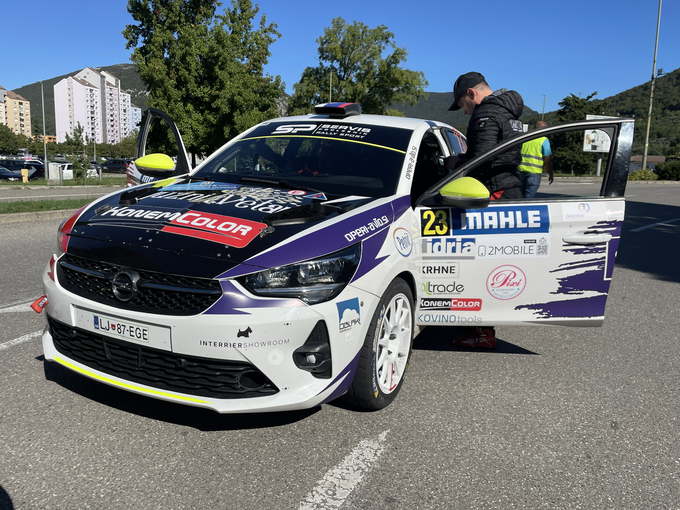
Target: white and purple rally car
{"type": "Point", "coordinates": [297, 263]}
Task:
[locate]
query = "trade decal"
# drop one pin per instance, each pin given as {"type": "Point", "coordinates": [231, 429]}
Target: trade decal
{"type": "Point", "coordinates": [452, 304]}
{"type": "Point", "coordinates": [447, 318]}
{"type": "Point", "coordinates": [449, 247]}
{"type": "Point", "coordinates": [439, 289]}
{"type": "Point", "coordinates": [506, 282]}
{"type": "Point", "coordinates": [225, 230]}
{"type": "Point", "coordinates": [349, 314]}
{"type": "Point", "coordinates": [520, 219]}
{"type": "Point", "coordinates": [515, 246]}
{"type": "Point", "coordinates": [403, 241]}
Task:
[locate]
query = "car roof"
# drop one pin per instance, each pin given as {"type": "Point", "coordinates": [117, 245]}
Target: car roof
{"type": "Point", "coordinates": [367, 119]}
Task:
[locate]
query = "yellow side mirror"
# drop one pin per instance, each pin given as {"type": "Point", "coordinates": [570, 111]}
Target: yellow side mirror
{"type": "Point", "coordinates": [466, 193]}
{"type": "Point", "coordinates": [156, 165]}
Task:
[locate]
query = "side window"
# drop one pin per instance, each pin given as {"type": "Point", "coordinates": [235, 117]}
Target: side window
{"type": "Point", "coordinates": [557, 164]}
{"type": "Point", "coordinates": [429, 167]}
{"type": "Point", "coordinates": [456, 142]}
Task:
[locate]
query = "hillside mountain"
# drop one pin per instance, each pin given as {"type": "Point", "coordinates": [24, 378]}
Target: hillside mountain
{"type": "Point", "coordinates": [126, 73]}
{"type": "Point", "coordinates": [436, 107]}
{"type": "Point", "coordinates": [664, 133]}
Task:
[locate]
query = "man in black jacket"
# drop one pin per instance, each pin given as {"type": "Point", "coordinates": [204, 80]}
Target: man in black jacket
{"type": "Point", "coordinates": [494, 118]}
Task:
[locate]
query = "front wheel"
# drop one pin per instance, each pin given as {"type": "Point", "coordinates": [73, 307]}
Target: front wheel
{"type": "Point", "coordinates": [386, 351]}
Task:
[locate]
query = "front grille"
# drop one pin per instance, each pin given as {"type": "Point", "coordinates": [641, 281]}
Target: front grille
{"type": "Point", "coordinates": [157, 292]}
{"type": "Point", "coordinates": [161, 369]}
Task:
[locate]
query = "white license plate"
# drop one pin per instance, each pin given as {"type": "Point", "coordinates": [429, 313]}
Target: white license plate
{"type": "Point", "coordinates": [152, 335]}
{"type": "Point", "coordinates": [121, 329]}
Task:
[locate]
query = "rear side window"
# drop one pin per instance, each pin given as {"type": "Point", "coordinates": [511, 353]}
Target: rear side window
{"type": "Point", "coordinates": [456, 141]}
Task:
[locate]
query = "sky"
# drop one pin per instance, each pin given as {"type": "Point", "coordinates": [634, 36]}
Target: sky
{"type": "Point", "coordinates": [545, 50]}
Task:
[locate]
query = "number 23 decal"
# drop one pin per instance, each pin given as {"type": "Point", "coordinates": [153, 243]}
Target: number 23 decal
{"type": "Point", "coordinates": [435, 222]}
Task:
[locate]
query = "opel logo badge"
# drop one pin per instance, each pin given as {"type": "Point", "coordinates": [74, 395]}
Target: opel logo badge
{"type": "Point", "coordinates": [124, 285]}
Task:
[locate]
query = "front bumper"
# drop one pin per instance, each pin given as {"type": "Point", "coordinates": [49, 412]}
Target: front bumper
{"type": "Point", "coordinates": [241, 360]}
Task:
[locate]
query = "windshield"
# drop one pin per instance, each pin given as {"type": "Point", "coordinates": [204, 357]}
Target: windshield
{"type": "Point", "coordinates": [334, 164]}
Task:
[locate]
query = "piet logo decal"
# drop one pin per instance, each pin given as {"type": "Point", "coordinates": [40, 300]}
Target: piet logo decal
{"type": "Point", "coordinates": [226, 230]}
{"type": "Point", "coordinates": [403, 241]}
{"type": "Point", "coordinates": [349, 313]}
{"type": "Point", "coordinates": [506, 282]}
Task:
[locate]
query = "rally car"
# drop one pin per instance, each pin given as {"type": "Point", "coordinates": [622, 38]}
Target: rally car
{"type": "Point", "coordinates": [297, 263]}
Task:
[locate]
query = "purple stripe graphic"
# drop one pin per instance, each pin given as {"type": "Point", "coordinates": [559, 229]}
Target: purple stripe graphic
{"type": "Point", "coordinates": [232, 299]}
{"type": "Point", "coordinates": [321, 242]}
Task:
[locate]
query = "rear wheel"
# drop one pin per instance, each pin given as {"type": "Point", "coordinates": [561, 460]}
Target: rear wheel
{"type": "Point", "coordinates": [386, 351]}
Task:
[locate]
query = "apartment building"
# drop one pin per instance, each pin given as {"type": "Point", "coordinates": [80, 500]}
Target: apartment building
{"type": "Point", "coordinates": [15, 112]}
{"type": "Point", "coordinates": [76, 101]}
{"type": "Point", "coordinates": [3, 98]}
{"type": "Point", "coordinates": [109, 110]}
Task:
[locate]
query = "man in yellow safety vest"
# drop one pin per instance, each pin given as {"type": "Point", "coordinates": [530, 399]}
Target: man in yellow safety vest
{"type": "Point", "coordinates": [535, 160]}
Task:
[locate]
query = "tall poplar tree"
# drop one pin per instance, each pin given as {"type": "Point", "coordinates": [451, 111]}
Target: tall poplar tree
{"type": "Point", "coordinates": [354, 67]}
{"type": "Point", "coordinates": [203, 68]}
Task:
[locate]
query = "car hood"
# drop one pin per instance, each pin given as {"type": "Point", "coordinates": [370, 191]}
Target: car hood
{"type": "Point", "coordinates": [210, 228]}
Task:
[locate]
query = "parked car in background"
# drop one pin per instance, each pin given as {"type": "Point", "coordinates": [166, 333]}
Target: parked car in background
{"type": "Point", "coordinates": [115, 166]}
{"type": "Point", "coordinates": [36, 169]}
{"type": "Point", "coordinates": [8, 175]}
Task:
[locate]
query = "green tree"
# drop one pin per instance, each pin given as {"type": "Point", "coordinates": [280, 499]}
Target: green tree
{"type": "Point", "coordinates": [76, 147]}
{"type": "Point", "coordinates": [568, 156]}
{"type": "Point", "coordinates": [205, 70]}
{"type": "Point", "coordinates": [9, 143]}
{"type": "Point", "coordinates": [352, 58]}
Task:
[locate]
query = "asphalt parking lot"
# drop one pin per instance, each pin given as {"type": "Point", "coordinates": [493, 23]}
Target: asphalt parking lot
{"type": "Point", "coordinates": [553, 418]}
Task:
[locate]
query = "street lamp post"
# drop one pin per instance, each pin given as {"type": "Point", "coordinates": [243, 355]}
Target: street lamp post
{"type": "Point", "coordinates": [651, 94]}
{"type": "Point", "coordinates": [543, 114]}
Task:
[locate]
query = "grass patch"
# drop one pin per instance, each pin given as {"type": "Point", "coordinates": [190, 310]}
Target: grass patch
{"type": "Point", "coordinates": [43, 205]}
{"type": "Point", "coordinates": [106, 181]}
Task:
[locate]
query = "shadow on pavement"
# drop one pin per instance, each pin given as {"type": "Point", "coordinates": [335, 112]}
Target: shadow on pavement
{"type": "Point", "coordinates": [439, 338]}
{"type": "Point", "coordinates": [5, 500]}
{"type": "Point", "coordinates": [189, 416]}
{"type": "Point", "coordinates": [652, 250]}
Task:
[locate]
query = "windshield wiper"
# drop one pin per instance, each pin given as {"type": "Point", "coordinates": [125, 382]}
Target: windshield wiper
{"type": "Point", "coordinates": [283, 184]}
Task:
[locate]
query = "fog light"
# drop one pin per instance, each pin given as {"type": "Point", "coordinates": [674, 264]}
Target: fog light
{"type": "Point", "coordinates": [315, 355]}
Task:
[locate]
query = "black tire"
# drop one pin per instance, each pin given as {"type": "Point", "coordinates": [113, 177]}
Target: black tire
{"type": "Point", "coordinates": [386, 351]}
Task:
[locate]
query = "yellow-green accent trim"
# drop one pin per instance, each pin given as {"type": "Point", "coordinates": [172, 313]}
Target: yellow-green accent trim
{"type": "Point", "coordinates": [125, 385]}
{"type": "Point", "coordinates": [323, 138]}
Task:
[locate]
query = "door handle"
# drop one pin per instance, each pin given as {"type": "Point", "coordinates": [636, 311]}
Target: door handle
{"type": "Point", "coordinates": [583, 238]}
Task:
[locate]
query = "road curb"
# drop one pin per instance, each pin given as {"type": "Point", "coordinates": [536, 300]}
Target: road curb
{"type": "Point", "coordinates": [36, 216]}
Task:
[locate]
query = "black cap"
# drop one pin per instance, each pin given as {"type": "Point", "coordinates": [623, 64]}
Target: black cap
{"type": "Point", "coordinates": [463, 83]}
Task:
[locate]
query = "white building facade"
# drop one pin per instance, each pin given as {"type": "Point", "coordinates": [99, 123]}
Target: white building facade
{"type": "Point", "coordinates": [94, 99]}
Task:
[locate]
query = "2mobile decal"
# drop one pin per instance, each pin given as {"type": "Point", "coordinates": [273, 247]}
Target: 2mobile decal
{"type": "Point", "coordinates": [236, 232]}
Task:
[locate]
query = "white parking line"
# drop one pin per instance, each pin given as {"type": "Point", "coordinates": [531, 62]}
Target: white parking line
{"type": "Point", "coordinates": [338, 483]}
{"type": "Point", "coordinates": [20, 340]}
{"type": "Point", "coordinates": [663, 223]}
{"type": "Point", "coordinates": [26, 307]}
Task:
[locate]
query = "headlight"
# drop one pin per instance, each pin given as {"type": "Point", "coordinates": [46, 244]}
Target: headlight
{"type": "Point", "coordinates": [313, 281]}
